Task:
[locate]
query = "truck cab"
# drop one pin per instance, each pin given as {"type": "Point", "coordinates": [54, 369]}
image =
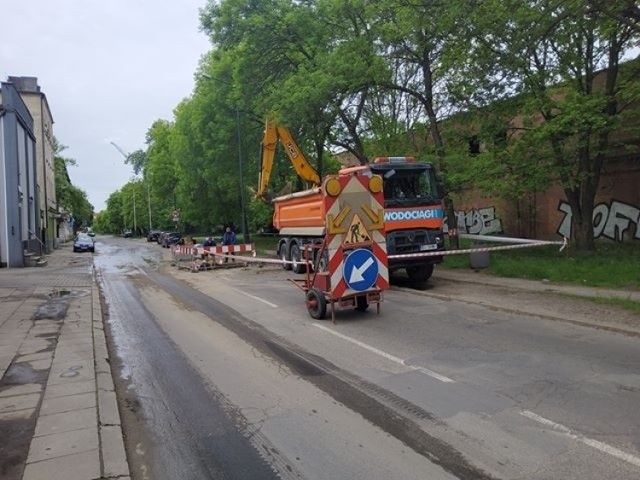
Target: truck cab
{"type": "Point", "coordinates": [413, 213]}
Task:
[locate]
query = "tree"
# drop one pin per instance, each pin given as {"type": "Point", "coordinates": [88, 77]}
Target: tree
{"type": "Point", "coordinates": [71, 199]}
{"type": "Point", "coordinates": [418, 41]}
{"type": "Point", "coordinates": [137, 160]}
{"type": "Point", "coordinates": [562, 60]}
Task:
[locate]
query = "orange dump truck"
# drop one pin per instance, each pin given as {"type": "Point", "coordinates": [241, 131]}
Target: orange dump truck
{"type": "Point", "coordinates": [413, 216]}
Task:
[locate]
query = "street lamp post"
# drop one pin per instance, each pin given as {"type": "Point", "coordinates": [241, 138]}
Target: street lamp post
{"type": "Point", "coordinates": [135, 226]}
{"type": "Point", "coordinates": [149, 203]}
{"type": "Point", "coordinates": [126, 157]}
{"type": "Point", "coordinates": [245, 230]}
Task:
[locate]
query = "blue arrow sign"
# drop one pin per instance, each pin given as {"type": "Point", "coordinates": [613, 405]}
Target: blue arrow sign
{"type": "Point", "coordinates": [360, 270]}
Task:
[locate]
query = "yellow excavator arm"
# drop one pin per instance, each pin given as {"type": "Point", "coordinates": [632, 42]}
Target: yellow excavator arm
{"type": "Point", "coordinates": [272, 134]}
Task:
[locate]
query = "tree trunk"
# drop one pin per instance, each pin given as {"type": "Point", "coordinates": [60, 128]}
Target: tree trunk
{"type": "Point", "coordinates": [582, 200]}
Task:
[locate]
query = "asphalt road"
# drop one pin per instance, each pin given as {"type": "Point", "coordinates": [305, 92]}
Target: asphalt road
{"type": "Point", "coordinates": [224, 375]}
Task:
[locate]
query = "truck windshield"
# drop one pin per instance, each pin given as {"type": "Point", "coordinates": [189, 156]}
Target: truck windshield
{"type": "Point", "coordinates": [410, 188]}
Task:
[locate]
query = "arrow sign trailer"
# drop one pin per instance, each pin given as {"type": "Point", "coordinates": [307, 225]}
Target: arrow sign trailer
{"type": "Point", "coordinates": [360, 270]}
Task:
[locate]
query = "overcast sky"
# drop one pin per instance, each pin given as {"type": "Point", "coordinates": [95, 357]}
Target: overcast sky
{"type": "Point", "coordinates": [109, 68]}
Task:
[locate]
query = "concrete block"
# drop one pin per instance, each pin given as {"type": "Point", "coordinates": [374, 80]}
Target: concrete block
{"type": "Point", "coordinates": [114, 457]}
{"type": "Point", "coordinates": [105, 381]}
{"type": "Point", "coordinates": [108, 408]}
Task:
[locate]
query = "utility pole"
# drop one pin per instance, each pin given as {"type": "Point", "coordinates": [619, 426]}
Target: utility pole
{"type": "Point", "coordinates": [126, 157]}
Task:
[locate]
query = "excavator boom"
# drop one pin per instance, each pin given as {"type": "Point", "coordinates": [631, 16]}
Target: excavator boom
{"type": "Point", "coordinates": [272, 134]}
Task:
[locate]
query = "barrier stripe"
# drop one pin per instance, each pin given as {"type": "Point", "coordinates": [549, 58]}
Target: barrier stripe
{"type": "Point", "coordinates": [277, 261]}
{"type": "Point", "coordinates": [563, 244]}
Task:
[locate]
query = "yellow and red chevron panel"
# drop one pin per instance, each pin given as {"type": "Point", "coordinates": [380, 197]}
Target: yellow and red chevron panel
{"type": "Point", "coordinates": [354, 216]}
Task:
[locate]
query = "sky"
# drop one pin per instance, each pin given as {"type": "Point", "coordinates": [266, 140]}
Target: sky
{"type": "Point", "coordinates": [109, 69]}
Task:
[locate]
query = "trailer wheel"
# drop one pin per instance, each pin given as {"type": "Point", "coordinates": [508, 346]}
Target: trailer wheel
{"type": "Point", "coordinates": [296, 261]}
{"type": "Point", "coordinates": [316, 304]}
{"type": "Point", "coordinates": [361, 303]}
{"type": "Point", "coordinates": [282, 253]}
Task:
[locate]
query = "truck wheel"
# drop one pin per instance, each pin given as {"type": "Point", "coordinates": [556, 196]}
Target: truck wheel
{"type": "Point", "coordinates": [296, 262]}
{"type": "Point", "coordinates": [316, 304]}
{"type": "Point", "coordinates": [322, 262]}
{"type": "Point", "coordinates": [282, 254]}
{"type": "Point", "coordinates": [421, 273]}
{"type": "Point", "coordinates": [361, 303]}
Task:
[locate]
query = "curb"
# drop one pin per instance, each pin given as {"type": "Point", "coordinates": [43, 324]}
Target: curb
{"type": "Point", "coordinates": [113, 457]}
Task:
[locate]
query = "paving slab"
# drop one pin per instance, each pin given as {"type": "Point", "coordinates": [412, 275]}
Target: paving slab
{"type": "Point", "coordinates": [68, 403]}
{"type": "Point", "coordinates": [63, 444]}
{"type": "Point", "coordinates": [35, 356]}
{"type": "Point", "coordinates": [19, 402]}
{"type": "Point", "coordinates": [67, 389]}
{"type": "Point", "coordinates": [37, 364]}
{"type": "Point", "coordinates": [67, 421]}
{"type": "Point", "coordinates": [22, 389]}
{"type": "Point", "coordinates": [71, 374]}
{"type": "Point", "coordinates": [80, 466]}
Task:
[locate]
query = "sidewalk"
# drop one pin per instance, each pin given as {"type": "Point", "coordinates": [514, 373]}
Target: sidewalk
{"type": "Point", "coordinates": [552, 301]}
{"type": "Point", "coordinates": [471, 276]}
{"type": "Point", "coordinates": [59, 416]}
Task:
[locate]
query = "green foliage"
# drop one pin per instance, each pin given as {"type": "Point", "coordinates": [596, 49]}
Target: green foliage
{"type": "Point", "coordinates": [608, 266]}
{"type": "Point", "coordinates": [393, 78]}
{"type": "Point", "coordinates": [71, 199]}
{"type": "Point", "coordinates": [137, 160]}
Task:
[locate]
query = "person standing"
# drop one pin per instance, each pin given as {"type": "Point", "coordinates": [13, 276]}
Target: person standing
{"type": "Point", "coordinates": [229, 238]}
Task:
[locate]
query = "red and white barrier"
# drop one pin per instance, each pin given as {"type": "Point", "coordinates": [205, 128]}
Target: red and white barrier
{"type": "Point", "coordinates": [532, 243]}
{"type": "Point", "coordinates": [219, 249]}
{"type": "Point", "coordinates": [197, 257]}
{"type": "Point", "coordinates": [195, 251]}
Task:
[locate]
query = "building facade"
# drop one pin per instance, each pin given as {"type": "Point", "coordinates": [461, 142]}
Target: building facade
{"type": "Point", "coordinates": [18, 191]}
{"type": "Point", "coordinates": [48, 215]}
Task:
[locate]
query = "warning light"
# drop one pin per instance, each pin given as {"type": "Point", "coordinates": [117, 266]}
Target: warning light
{"type": "Point", "coordinates": [332, 187]}
{"type": "Point", "coordinates": [394, 159]}
{"type": "Point", "coordinates": [375, 184]}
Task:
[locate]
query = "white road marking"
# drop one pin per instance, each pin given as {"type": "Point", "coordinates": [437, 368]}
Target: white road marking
{"type": "Point", "coordinates": [567, 432]}
{"type": "Point", "coordinates": [386, 355]}
{"type": "Point", "coordinates": [259, 299]}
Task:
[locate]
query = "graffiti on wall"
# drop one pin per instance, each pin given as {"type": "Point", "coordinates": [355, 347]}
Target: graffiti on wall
{"type": "Point", "coordinates": [479, 221]}
{"type": "Point", "coordinates": [610, 220]}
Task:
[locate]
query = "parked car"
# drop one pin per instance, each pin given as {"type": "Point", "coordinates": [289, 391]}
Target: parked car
{"type": "Point", "coordinates": [152, 236]}
{"type": "Point", "coordinates": [172, 238]}
{"type": "Point", "coordinates": [127, 234]}
{"type": "Point", "coordinates": [83, 243]}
